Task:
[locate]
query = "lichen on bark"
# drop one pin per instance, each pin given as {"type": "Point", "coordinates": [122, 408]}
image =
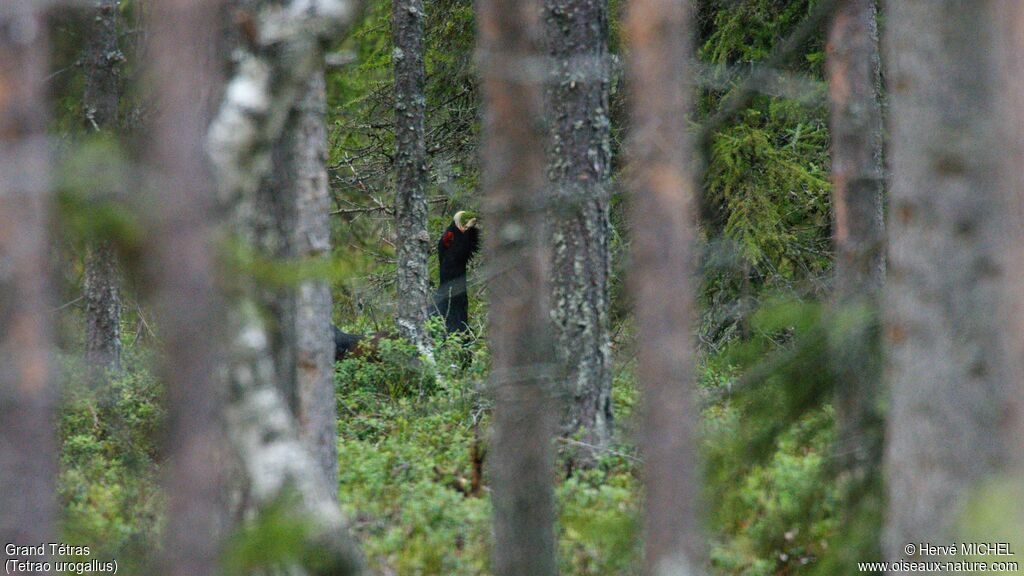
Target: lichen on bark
{"type": "Point", "coordinates": [100, 100]}
{"type": "Point", "coordinates": [579, 171]}
{"type": "Point", "coordinates": [412, 241]}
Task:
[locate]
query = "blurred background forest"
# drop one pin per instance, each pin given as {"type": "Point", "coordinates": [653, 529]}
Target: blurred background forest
{"type": "Point", "coordinates": [781, 491]}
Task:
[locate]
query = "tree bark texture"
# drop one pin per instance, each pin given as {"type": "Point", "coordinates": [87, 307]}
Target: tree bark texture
{"type": "Point", "coordinates": [412, 239]}
{"type": "Point", "coordinates": [295, 228]}
{"type": "Point", "coordinates": [1012, 115]}
{"type": "Point", "coordinates": [102, 307]}
{"type": "Point", "coordinates": [102, 59]}
{"type": "Point", "coordinates": [272, 73]}
{"type": "Point", "coordinates": [510, 41]}
{"type": "Point", "coordinates": [1010, 485]}
{"type": "Point", "coordinates": [858, 228]}
{"type": "Point", "coordinates": [278, 466]}
{"type": "Point", "coordinates": [944, 368]}
{"type": "Point", "coordinates": [314, 339]}
{"type": "Point", "coordinates": [579, 169]}
{"type": "Point", "coordinates": [180, 218]}
{"type": "Point", "coordinates": [663, 225]}
{"type": "Point", "coordinates": [1011, 18]}
{"type": "Point", "coordinates": [100, 103]}
{"type": "Point", "coordinates": [28, 447]}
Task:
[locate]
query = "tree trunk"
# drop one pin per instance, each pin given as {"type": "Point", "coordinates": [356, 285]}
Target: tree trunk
{"type": "Point", "coordinates": [278, 467]}
{"type": "Point", "coordinates": [295, 228]}
{"type": "Point", "coordinates": [944, 367]}
{"type": "Point", "coordinates": [314, 340]}
{"type": "Point", "coordinates": [1012, 120]}
{"type": "Point", "coordinates": [1011, 487]}
{"type": "Point", "coordinates": [858, 229]}
{"type": "Point", "coordinates": [102, 60]}
{"type": "Point", "coordinates": [663, 215]}
{"type": "Point", "coordinates": [180, 218]}
{"type": "Point", "coordinates": [412, 241]}
{"type": "Point", "coordinates": [510, 37]}
{"type": "Point", "coordinates": [272, 73]}
{"type": "Point", "coordinates": [102, 307]}
{"type": "Point", "coordinates": [579, 168]}
{"type": "Point", "coordinates": [28, 447]}
{"type": "Point", "coordinates": [100, 103]}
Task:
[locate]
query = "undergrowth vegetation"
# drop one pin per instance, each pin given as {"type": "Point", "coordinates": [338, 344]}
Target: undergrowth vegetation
{"type": "Point", "coordinates": [412, 445]}
{"type": "Point", "coordinates": [109, 461]}
{"type": "Point", "coordinates": [410, 469]}
{"type": "Point", "coordinates": [414, 475]}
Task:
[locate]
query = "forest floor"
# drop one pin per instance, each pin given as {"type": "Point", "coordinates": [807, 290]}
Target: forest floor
{"type": "Point", "coordinates": [411, 465]}
{"type": "Point", "coordinates": [412, 452]}
{"type": "Point", "coordinates": [410, 448]}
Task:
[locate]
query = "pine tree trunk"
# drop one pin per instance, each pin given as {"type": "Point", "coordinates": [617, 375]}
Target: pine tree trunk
{"type": "Point", "coordinates": [180, 219]}
{"type": "Point", "coordinates": [102, 307]}
{"type": "Point", "coordinates": [314, 340]}
{"type": "Point", "coordinates": [663, 282]}
{"type": "Point", "coordinates": [100, 103]}
{"type": "Point", "coordinates": [28, 447]}
{"type": "Point", "coordinates": [102, 60]}
{"type": "Point", "coordinates": [1012, 121]}
{"type": "Point", "coordinates": [858, 229]}
{"type": "Point", "coordinates": [293, 226]}
{"type": "Point", "coordinates": [578, 167]}
{"type": "Point", "coordinates": [510, 38]}
{"type": "Point", "coordinates": [944, 364]}
{"type": "Point", "coordinates": [412, 239]}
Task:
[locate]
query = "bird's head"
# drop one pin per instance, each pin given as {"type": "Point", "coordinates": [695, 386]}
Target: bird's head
{"type": "Point", "coordinates": [461, 240]}
{"type": "Point", "coordinates": [464, 220]}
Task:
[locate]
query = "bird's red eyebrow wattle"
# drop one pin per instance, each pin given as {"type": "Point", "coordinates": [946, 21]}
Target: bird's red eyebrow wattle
{"type": "Point", "coordinates": [447, 238]}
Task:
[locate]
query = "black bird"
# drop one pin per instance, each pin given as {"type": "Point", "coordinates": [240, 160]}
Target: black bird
{"type": "Point", "coordinates": [456, 247]}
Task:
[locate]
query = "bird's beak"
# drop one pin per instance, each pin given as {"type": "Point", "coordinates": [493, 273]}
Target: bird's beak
{"type": "Point", "coordinates": [461, 221]}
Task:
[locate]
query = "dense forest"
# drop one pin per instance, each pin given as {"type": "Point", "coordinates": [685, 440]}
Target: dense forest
{"type": "Point", "coordinates": [590, 287]}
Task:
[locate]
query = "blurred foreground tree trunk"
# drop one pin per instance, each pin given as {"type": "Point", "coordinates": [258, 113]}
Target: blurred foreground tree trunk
{"type": "Point", "coordinates": [510, 38]}
{"type": "Point", "coordinates": [1010, 526]}
{"type": "Point", "coordinates": [28, 446]}
{"type": "Point", "coordinates": [295, 229]}
{"type": "Point", "coordinates": [858, 230]}
{"type": "Point", "coordinates": [100, 103]}
{"type": "Point", "coordinates": [579, 168]}
{"type": "Point", "coordinates": [412, 239]}
{"type": "Point", "coordinates": [180, 218]}
{"type": "Point", "coordinates": [1012, 18]}
{"type": "Point", "coordinates": [663, 161]}
{"type": "Point", "coordinates": [944, 355]}
{"type": "Point", "coordinates": [273, 71]}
